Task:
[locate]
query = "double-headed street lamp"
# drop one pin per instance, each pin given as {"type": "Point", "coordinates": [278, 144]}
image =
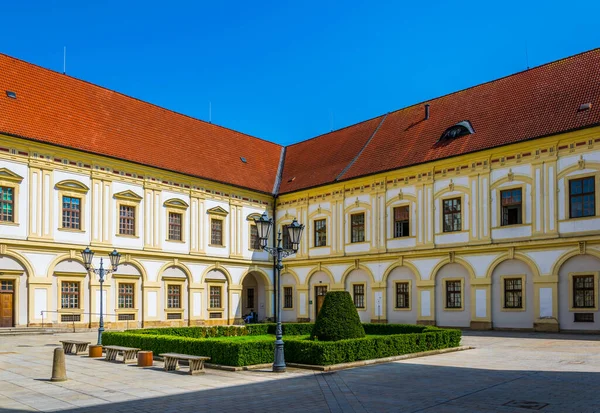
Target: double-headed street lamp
{"type": "Point", "coordinates": [114, 256]}
{"type": "Point", "coordinates": [263, 225]}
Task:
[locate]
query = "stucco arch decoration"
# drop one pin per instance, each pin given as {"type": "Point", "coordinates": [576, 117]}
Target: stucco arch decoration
{"type": "Point", "coordinates": [21, 260]}
{"type": "Point", "coordinates": [517, 256]}
{"type": "Point", "coordinates": [139, 266]}
{"type": "Point", "coordinates": [455, 260]}
{"type": "Point", "coordinates": [315, 270]}
{"type": "Point", "coordinates": [319, 211]}
{"type": "Point", "coordinates": [65, 257]}
{"type": "Point", "coordinates": [263, 274]}
{"type": "Point", "coordinates": [359, 267]}
{"type": "Point", "coordinates": [577, 167]}
{"type": "Point", "coordinates": [292, 273]}
{"type": "Point", "coordinates": [364, 205]}
{"type": "Point", "coordinates": [455, 188]}
{"type": "Point", "coordinates": [515, 178]}
{"type": "Point", "coordinates": [399, 264]}
{"type": "Point", "coordinates": [570, 254]}
{"type": "Point", "coordinates": [179, 265]}
{"type": "Point", "coordinates": [216, 268]}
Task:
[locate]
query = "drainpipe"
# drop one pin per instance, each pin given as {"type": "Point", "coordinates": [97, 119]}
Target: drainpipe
{"type": "Point", "coordinates": [276, 298]}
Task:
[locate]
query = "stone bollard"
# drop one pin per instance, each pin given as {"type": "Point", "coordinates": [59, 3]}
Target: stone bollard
{"type": "Point", "coordinates": [59, 370]}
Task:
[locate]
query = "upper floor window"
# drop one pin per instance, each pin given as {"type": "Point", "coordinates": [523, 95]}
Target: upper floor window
{"type": "Point", "coordinates": [452, 215]}
{"type": "Point", "coordinates": [71, 213]}
{"type": "Point", "coordinates": [401, 223]}
{"type": "Point", "coordinates": [359, 295]}
{"type": "Point", "coordinates": [583, 291]}
{"type": "Point", "coordinates": [216, 231]}
{"type": "Point", "coordinates": [453, 294]}
{"type": "Point", "coordinates": [126, 220]}
{"type": "Point", "coordinates": [286, 243]}
{"type": "Point", "coordinates": [320, 232]}
{"type": "Point", "coordinates": [254, 239]}
{"type": "Point", "coordinates": [7, 204]}
{"type": "Point", "coordinates": [175, 226]}
{"type": "Point", "coordinates": [511, 207]}
{"type": "Point", "coordinates": [357, 223]}
{"type": "Point", "coordinates": [582, 197]}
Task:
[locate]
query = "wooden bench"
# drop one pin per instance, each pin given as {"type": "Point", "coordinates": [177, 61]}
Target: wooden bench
{"type": "Point", "coordinates": [129, 353]}
{"type": "Point", "coordinates": [80, 346]}
{"type": "Point", "coordinates": [196, 362]}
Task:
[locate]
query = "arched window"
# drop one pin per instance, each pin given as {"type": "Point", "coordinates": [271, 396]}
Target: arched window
{"type": "Point", "coordinates": [456, 131]}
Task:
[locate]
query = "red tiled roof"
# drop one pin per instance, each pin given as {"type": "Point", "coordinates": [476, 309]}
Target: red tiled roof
{"type": "Point", "coordinates": [538, 102]}
{"type": "Point", "coordinates": [57, 109]}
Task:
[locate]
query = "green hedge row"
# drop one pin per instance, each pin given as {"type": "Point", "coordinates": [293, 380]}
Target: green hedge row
{"type": "Point", "coordinates": [387, 329]}
{"type": "Point", "coordinates": [291, 329]}
{"type": "Point", "coordinates": [297, 350]}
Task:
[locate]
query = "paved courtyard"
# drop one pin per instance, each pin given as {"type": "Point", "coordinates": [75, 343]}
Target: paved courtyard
{"type": "Point", "coordinates": [507, 372]}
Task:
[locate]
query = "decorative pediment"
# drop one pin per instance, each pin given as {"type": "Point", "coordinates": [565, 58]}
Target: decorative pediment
{"type": "Point", "coordinates": [72, 185]}
{"type": "Point", "coordinates": [176, 203]}
{"type": "Point", "coordinates": [128, 195]}
{"type": "Point", "coordinates": [217, 211]}
{"type": "Point", "coordinates": [8, 175]}
{"type": "Point", "coordinates": [252, 217]}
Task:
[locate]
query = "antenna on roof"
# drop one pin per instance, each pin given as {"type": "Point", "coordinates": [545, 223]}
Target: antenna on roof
{"type": "Point", "coordinates": [65, 61]}
{"type": "Point", "coordinates": [209, 112]}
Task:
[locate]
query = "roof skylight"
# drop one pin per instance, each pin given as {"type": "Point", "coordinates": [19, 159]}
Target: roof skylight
{"type": "Point", "coordinates": [456, 131]}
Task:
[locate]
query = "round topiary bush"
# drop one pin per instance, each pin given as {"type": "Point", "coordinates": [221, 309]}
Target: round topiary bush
{"type": "Point", "coordinates": [338, 319]}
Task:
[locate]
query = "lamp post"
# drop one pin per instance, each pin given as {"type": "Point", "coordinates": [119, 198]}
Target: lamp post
{"type": "Point", "coordinates": [114, 256]}
{"type": "Point", "coordinates": [263, 225]}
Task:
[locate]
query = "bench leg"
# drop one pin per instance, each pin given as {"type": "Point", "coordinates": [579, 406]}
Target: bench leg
{"type": "Point", "coordinates": [196, 367]}
{"type": "Point", "coordinates": [111, 354]}
{"type": "Point", "coordinates": [80, 348]}
{"type": "Point", "coordinates": [68, 347]}
{"type": "Point", "coordinates": [129, 357]}
{"type": "Point", "coordinates": [171, 364]}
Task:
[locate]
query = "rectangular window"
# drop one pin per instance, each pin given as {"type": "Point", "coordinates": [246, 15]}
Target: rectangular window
{"type": "Point", "coordinates": [216, 231]}
{"type": "Point", "coordinates": [359, 295]}
{"type": "Point", "coordinates": [7, 204]}
{"type": "Point", "coordinates": [288, 298]}
{"type": "Point", "coordinates": [126, 295]}
{"type": "Point", "coordinates": [452, 215]}
{"type": "Point", "coordinates": [173, 296]}
{"type": "Point", "coordinates": [582, 197]}
{"type": "Point", "coordinates": [320, 232]}
{"type": "Point", "coordinates": [69, 294]}
{"type": "Point", "coordinates": [511, 207]}
{"type": "Point", "coordinates": [583, 291]}
{"type": "Point", "coordinates": [71, 215]}
{"type": "Point", "coordinates": [175, 226]}
{"type": "Point", "coordinates": [402, 295]}
{"type": "Point", "coordinates": [6, 285]}
{"type": "Point", "coordinates": [357, 230]}
{"type": "Point", "coordinates": [401, 222]}
{"type": "Point", "coordinates": [215, 297]}
{"type": "Point", "coordinates": [286, 243]}
{"type": "Point", "coordinates": [254, 239]}
{"type": "Point", "coordinates": [453, 294]}
{"type": "Point", "coordinates": [513, 293]}
{"type": "Point", "coordinates": [249, 298]}
{"type": "Point", "coordinates": [126, 220]}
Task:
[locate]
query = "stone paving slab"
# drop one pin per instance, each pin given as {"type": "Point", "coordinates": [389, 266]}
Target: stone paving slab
{"type": "Point", "coordinates": [506, 371]}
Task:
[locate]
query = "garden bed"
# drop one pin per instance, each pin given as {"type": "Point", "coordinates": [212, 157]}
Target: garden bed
{"type": "Point", "coordinates": [254, 344]}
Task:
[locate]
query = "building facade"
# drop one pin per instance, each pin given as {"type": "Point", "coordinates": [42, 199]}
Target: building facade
{"type": "Point", "coordinates": [477, 209]}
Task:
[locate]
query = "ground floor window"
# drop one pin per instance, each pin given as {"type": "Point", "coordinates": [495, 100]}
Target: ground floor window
{"type": "Point", "coordinates": [288, 298]}
{"type": "Point", "coordinates": [249, 298]}
{"type": "Point", "coordinates": [513, 293]}
{"type": "Point", "coordinates": [359, 295]}
{"type": "Point", "coordinates": [583, 291]}
{"type": "Point", "coordinates": [215, 297]}
{"type": "Point", "coordinates": [6, 285]}
{"type": "Point", "coordinates": [126, 295]}
{"type": "Point", "coordinates": [173, 296]}
{"type": "Point", "coordinates": [69, 294]}
{"type": "Point", "coordinates": [402, 295]}
{"type": "Point", "coordinates": [453, 294]}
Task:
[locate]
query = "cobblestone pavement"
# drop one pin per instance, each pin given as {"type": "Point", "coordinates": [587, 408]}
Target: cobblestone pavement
{"type": "Point", "coordinates": [507, 372]}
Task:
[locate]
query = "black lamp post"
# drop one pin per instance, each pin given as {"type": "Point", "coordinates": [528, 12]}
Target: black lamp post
{"type": "Point", "coordinates": [263, 225]}
{"type": "Point", "coordinates": [114, 256]}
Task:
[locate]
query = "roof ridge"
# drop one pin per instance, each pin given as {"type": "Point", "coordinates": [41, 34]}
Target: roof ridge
{"type": "Point", "coordinates": [136, 99]}
{"type": "Point", "coordinates": [361, 150]}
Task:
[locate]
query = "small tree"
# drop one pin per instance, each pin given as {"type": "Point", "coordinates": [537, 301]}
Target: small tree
{"type": "Point", "coordinates": [338, 318]}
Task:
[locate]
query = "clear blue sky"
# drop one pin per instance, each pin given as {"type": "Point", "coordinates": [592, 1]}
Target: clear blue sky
{"type": "Point", "coordinates": [282, 70]}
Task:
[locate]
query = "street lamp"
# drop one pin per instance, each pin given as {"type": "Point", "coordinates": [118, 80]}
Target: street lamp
{"type": "Point", "coordinates": [263, 225]}
{"type": "Point", "coordinates": [87, 255]}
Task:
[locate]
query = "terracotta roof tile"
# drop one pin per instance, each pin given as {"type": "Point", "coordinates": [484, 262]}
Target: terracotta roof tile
{"type": "Point", "coordinates": [57, 109]}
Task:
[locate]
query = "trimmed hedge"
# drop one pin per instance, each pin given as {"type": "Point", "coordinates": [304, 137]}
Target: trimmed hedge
{"type": "Point", "coordinates": [297, 349]}
{"type": "Point", "coordinates": [290, 329]}
{"type": "Point", "coordinates": [337, 319]}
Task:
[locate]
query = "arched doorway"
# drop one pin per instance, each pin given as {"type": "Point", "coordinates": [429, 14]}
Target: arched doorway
{"type": "Point", "coordinates": [254, 296]}
{"type": "Point", "coordinates": [13, 293]}
{"type": "Point", "coordinates": [578, 293]}
{"type": "Point", "coordinates": [401, 297]}
{"type": "Point", "coordinates": [512, 295]}
{"type": "Point", "coordinates": [452, 296]}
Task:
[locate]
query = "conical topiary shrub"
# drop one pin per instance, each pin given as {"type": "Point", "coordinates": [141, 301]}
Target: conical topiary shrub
{"type": "Point", "coordinates": [338, 318]}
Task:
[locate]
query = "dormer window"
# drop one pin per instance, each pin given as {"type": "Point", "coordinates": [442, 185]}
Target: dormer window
{"type": "Point", "coordinates": [456, 131]}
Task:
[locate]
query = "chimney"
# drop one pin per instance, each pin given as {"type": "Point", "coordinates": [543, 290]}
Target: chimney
{"type": "Point", "coordinates": [426, 111]}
